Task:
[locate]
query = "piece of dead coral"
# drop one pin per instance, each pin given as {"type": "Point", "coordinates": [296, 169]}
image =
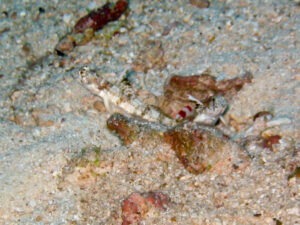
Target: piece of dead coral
{"type": "Point", "coordinates": [136, 206]}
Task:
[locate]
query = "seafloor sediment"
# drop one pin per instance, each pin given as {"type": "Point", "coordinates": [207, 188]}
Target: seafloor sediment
{"type": "Point", "coordinates": [60, 165]}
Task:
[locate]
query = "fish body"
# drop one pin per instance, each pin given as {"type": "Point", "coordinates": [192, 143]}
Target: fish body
{"type": "Point", "coordinates": [171, 108]}
{"type": "Point", "coordinates": [122, 98]}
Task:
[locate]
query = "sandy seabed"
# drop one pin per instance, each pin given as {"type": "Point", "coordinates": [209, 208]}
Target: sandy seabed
{"type": "Point", "coordinates": [60, 165]}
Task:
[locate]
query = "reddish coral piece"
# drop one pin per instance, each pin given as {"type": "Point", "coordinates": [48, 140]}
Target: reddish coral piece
{"type": "Point", "coordinates": [135, 207]}
{"type": "Point", "coordinates": [100, 17]}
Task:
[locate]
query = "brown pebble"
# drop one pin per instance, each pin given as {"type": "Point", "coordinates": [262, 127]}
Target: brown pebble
{"type": "Point", "coordinates": [38, 218]}
{"type": "Point", "coordinates": [200, 3]}
{"type": "Point", "coordinates": [121, 126]}
{"type": "Point", "coordinates": [131, 129]}
{"type": "Point", "coordinates": [99, 106]}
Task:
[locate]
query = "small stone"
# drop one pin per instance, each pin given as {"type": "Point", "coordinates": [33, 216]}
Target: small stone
{"type": "Point", "coordinates": [39, 218]}
{"type": "Point", "coordinates": [32, 203]}
{"type": "Point", "coordinates": [67, 18]}
{"type": "Point", "coordinates": [200, 3]}
{"type": "Point", "coordinates": [23, 13]}
{"type": "Point", "coordinates": [99, 106]}
{"type": "Point", "coordinates": [121, 125]}
{"type": "Point", "coordinates": [132, 129]}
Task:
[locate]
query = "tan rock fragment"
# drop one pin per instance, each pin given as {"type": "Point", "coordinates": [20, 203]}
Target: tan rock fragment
{"type": "Point", "coordinates": [203, 148]}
